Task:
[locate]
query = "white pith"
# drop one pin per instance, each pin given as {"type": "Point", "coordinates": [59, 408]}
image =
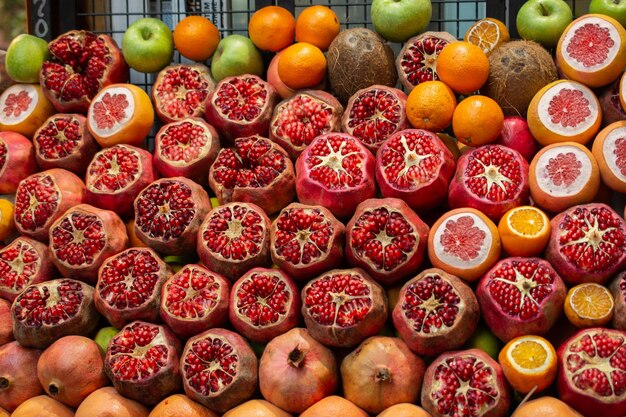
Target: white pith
{"type": "Point", "coordinates": [263, 301]}
{"type": "Point", "coordinates": [191, 293]}
{"type": "Point", "coordinates": [454, 261]}
{"type": "Point", "coordinates": [487, 23]}
{"type": "Point", "coordinates": [202, 154]}
{"type": "Point", "coordinates": [544, 105]}
{"type": "Point", "coordinates": [119, 124]}
{"type": "Point", "coordinates": [569, 35]}
{"type": "Point", "coordinates": [114, 170]}
{"type": "Point", "coordinates": [78, 237]}
{"type": "Point", "coordinates": [592, 237]}
{"type": "Point", "coordinates": [411, 158]}
{"type": "Point", "coordinates": [33, 203]}
{"type": "Point", "coordinates": [214, 365]}
{"type": "Point", "coordinates": [491, 174]}
{"type": "Point", "coordinates": [608, 148]}
{"type": "Point", "coordinates": [538, 370]}
{"type": "Point", "coordinates": [622, 88]}
{"type": "Point", "coordinates": [577, 289]}
{"type": "Point", "coordinates": [139, 352]}
{"type": "Point", "coordinates": [18, 264]}
{"type": "Point", "coordinates": [16, 89]}
{"type": "Point", "coordinates": [545, 182]}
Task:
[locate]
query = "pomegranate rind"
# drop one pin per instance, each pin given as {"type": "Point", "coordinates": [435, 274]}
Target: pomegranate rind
{"type": "Point", "coordinates": [590, 377]}
{"type": "Point", "coordinates": [618, 291]}
{"type": "Point", "coordinates": [458, 303]}
{"type": "Point", "coordinates": [608, 41]}
{"type": "Point", "coordinates": [609, 150]}
{"type": "Point", "coordinates": [23, 108]}
{"type": "Point", "coordinates": [40, 266]}
{"type": "Point", "coordinates": [18, 153]}
{"type": "Point", "coordinates": [513, 314]}
{"type": "Point", "coordinates": [237, 381]}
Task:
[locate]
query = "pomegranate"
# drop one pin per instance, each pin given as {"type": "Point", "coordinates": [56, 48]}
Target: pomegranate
{"type": "Point", "coordinates": [521, 296]}
{"type": "Point", "coordinates": [82, 64]}
{"type": "Point", "coordinates": [241, 106]}
{"type": "Point", "coordinates": [168, 214]}
{"type": "Point", "coordinates": [465, 383]}
{"type": "Point", "coordinates": [296, 371]}
{"type": "Point", "coordinates": [386, 238]}
{"type": "Point", "coordinates": [186, 148]}
{"type": "Point", "coordinates": [143, 362]}
{"type": "Point", "coordinates": [45, 312]}
{"type": "Point", "coordinates": [587, 243]}
{"type": "Point", "coordinates": [618, 289]}
{"type": "Point", "coordinates": [234, 238]}
{"type": "Point", "coordinates": [63, 141]}
{"type": "Point", "coordinates": [417, 61]}
{"type": "Point", "coordinates": [306, 241]}
{"type": "Point", "coordinates": [256, 170]}
{"type": "Point", "coordinates": [23, 262]}
{"type": "Point", "coordinates": [300, 119]}
{"type": "Point", "coordinates": [382, 372]}
{"type": "Point", "coordinates": [193, 300]}
{"type": "Point", "coordinates": [6, 327]}
{"type": "Point", "coordinates": [343, 306]}
{"type": "Point", "coordinates": [82, 238]}
{"type": "Point", "coordinates": [17, 366]}
{"type": "Point", "coordinates": [103, 401]}
{"type": "Point", "coordinates": [435, 312]}
{"type": "Point", "coordinates": [42, 198]}
{"type": "Point", "coordinates": [129, 286]}
{"type": "Point", "coordinates": [416, 166]}
{"type": "Point", "coordinates": [591, 372]}
{"type": "Point", "coordinates": [516, 135]}
{"type": "Point", "coordinates": [180, 91]}
{"type": "Point", "coordinates": [612, 110]}
{"type": "Point", "coordinates": [70, 369]}
{"type": "Point", "coordinates": [17, 160]}
{"type": "Point", "coordinates": [335, 171]}
{"type": "Point", "coordinates": [219, 369]}
{"type": "Point", "coordinates": [116, 175]}
{"type": "Point", "coordinates": [264, 303]}
{"type": "Point", "coordinates": [492, 179]}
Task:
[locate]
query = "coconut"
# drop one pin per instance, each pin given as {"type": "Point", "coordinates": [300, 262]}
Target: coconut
{"type": "Point", "coordinates": [359, 58]}
{"type": "Point", "coordinates": [517, 70]}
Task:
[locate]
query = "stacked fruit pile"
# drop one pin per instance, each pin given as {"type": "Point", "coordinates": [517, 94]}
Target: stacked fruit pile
{"type": "Point", "coordinates": [355, 249]}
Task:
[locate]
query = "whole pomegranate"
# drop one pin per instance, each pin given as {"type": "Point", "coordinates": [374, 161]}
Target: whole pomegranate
{"type": "Point", "coordinates": [618, 289]}
{"type": "Point", "coordinates": [17, 160]}
{"type": "Point", "coordinates": [296, 371]}
{"type": "Point", "coordinates": [18, 367]}
{"type": "Point", "coordinates": [6, 327]}
{"type": "Point", "coordinates": [516, 135]}
{"type": "Point", "coordinates": [23, 262]}
{"type": "Point", "coordinates": [612, 110]}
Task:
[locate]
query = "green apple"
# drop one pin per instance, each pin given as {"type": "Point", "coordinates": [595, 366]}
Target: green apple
{"type": "Point", "coordinates": [104, 336]}
{"type": "Point", "coordinates": [613, 8]}
{"type": "Point", "coordinates": [398, 20]}
{"type": "Point", "coordinates": [148, 45]}
{"type": "Point", "coordinates": [24, 58]}
{"type": "Point", "coordinates": [236, 55]}
{"type": "Point", "coordinates": [543, 21]}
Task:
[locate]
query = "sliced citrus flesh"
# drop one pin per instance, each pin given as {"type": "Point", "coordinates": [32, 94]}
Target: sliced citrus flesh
{"type": "Point", "coordinates": [589, 304]}
{"type": "Point", "coordinates": [528, 362]}
{"type": "Point", "coordinates": [524, 231]}
{"type": "Point", "coordinates": [487, 34]}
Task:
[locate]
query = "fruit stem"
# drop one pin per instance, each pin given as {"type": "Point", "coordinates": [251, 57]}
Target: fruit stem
{"type": "Point", "coordinates": [146, 34]}
{"type": "Point", "coordinates": [296, 357]}
{"type": "Point", "coordinates": [4, 382]}
{"type": "Point", "coordinates": [383, 375]}
{"type": "Point", "coordinates": [544, 12]}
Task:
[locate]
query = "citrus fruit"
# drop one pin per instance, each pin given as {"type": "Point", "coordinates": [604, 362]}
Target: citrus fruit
{"type": "Point", "coordinates": [404, 410]}
{"type": "Point", "coordinates": [589, 304]}
{"type": "Point", "coordinates": [524, 231]}
{"type": "Point", "coordinates": [622, 91]}
{"type": "Point", "coordinates": [179, 405]}
{"type": "Point", "coordinates": [302, 65]}
{"type": "Point", "coordinates": [334, 406]}
{"type": "Point", "coordinates": [7, 224]}
{"type": "Point", "coordinates": [487, 34]}
{"type": "Point", "coordinates": [528, 362]}
{"type": "Point", "coordinates": [477, 120]}
{"type": "Point", "coordinates": [430, 106]}
{"type": "Point", "coordinates": [463, 66]}
{"type": "Point", "coordinates": [196, 38]}
{"type": "Point", "coordinates": [256, 408]}
{"type": "Point", "coordinates": [25, 55]}
{"type": "Point", "coordinates": [23, 109]}
{"type": "Point", "coordinates": [272, 28]}
{"type": "Point", "coordinates": [609, 150]}
{"type": "Point", "coordinates": [317, 25]}
{"type": "Point", "coordinates": [133, 240]}
{"type": "Point", "coordinates": [545, 407]}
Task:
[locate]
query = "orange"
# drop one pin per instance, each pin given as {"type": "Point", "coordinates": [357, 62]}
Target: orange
{"type": "Point", "coordinates": [404, 410]}
{"type": "Point", "coordinates": [487, 34]}
{"type": "Point", "coordinates": [524, 231]}
{"type": "Point", "coordinates": [589, 305]}
{"type": "Point", "coordinates": [622, 91]}
{"type": "Point", "coordinates": [451, 144]}
{"type": "Point", "coordinates": [179, 405]}
{"type": "Point", "coordinates": [272, 28]}
{"type": "Point", "coordinates": [42, 406]}
{"type": "Point", "coordinates": [463, 66]}
{"type": "Point", "coordinates": [334, 406]}
{"type": "Point", "coordinates": [196, 38]}
{"type": "Point", "coordinates": [430, 106]}
{"type": "Point", "coordinates": [528, 362]}
{"type": "Point", "coordinates": [545, 407]}
{"type": "Point", "coordinates": [7, 223]}
{"type": "Point", "coordinates": [477, 120]}
{"type": "Point", "coordinates": [133, 240]}
{"type": "Point", "coordinates": [256, 408]}
{"type": "Point", "coordinates": [302, 65]}
{"type": "Point", "coordinates": [23, 109]}
{"type": "Point", "coordinates": [317, 25]}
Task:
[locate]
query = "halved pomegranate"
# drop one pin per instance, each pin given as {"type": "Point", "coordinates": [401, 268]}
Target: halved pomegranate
{"type": "Point", "coordinates": [587, 243]}
{"type": "Point", "coordinates": [129, 286]}
{"type": "Point", "coordinates": [609, 150]}
{"type": "Point", "coordinates": [306, 241]}
{"type": "Point", "coordinates": [264, 303]}
{"type": "Point", "coordinates": [47, 311]}
{"type": "Point", "coordinates": [591, 372]}
{"type": "Point", "coordinates": [257, 171]}
{"type": "Point", "coordinates": [335, 171]}
{"type": "Point", "coordinates": [180, 91]}
{"type": "Point", "coordinates": [234, 238]}
{"type": "Point", "coordinates": [343, 306]}
{"type": "Point", "coordinates": [186, 148]}
{"type": "Point", "coordinates": [42, 198]}
{"type": "Point", "coordinates": [17, 160]}
{"type": "Point", "coordinates": [23, 262]}
{"type": "Point", "coordinates": [23, 108]}
{"type": "Point", "coordinates": [521, 296]}
{"type": "Point", "coordinates": [193, 300]}
{"type": "Point", "coordinates": [415, 166]}
{"type": "Point", "coordinates": [492, 179]}
{"type": "Point", "coordinates": [300, 119]}
{"type": "Point", "coordinates": [168, 214]}
{"type": "Point", "coordinates": [618, 290]}
{"type": "Point", "coordinates": [219, 369]}
{"type": "Point", "coordinates": [241, 106]}
{"type": "Point", "coordinates": [82, 63]}
{"type": "Point", "coordinates": [435, 312]}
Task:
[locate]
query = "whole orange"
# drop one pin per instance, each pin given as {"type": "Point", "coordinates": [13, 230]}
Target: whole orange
{"type": "Point", "coordinates": [477, 120]}
{"type": "Point", "coordinates": [317, 25]}
{"type": "Point", "coordinates": [196, 38]}
{"type": "Point", "coordinates": [430, 106]}
{"type": "Point", "coordinates": [463, 66]}
{"type": "Point", "coordinates": [302, 65]}
{"type": "Point", "coordinates": [272, 28]}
